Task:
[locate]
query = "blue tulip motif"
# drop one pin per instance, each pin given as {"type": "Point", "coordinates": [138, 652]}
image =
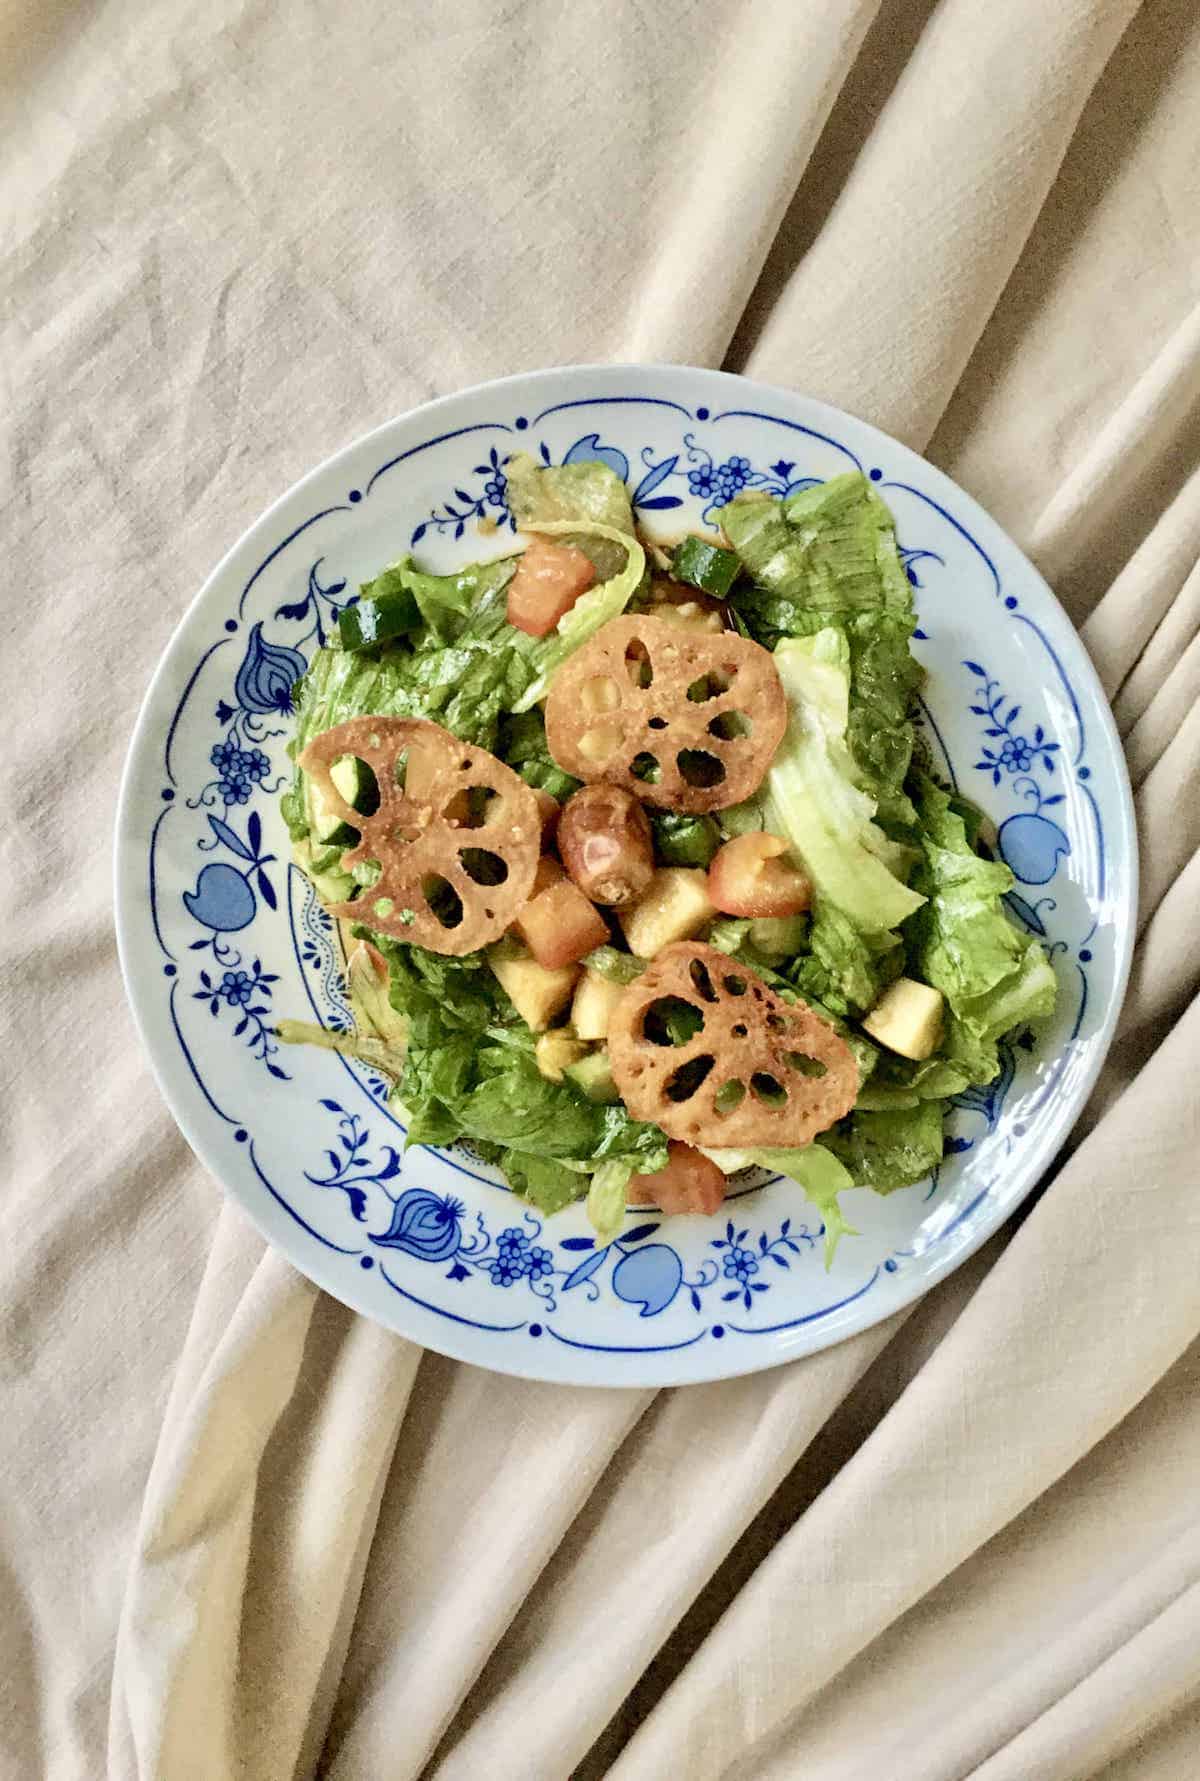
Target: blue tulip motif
{"type": "Point", "coordinates": [1031, 847]}
{"type": "Point", "coordinates": [589, 450]}
{"type": "Point", "coordinates": [649, 1277]}
{"type": "Point", "coordinates": [222, 899]}
{"type": "Point", "coordinates": [424, 1225]}
{"type": "Point", "coordinates": [268, 672]}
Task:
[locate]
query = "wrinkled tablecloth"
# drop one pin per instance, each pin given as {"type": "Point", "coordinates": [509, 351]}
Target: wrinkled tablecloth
{"type": "Point", "coordinates": [244, 1533]}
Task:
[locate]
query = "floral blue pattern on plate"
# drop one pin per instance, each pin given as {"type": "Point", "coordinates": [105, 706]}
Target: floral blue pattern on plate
{"type": "Point", "coordinates": [219, 937]}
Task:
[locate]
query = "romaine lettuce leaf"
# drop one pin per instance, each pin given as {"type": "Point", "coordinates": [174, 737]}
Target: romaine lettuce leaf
{"type": "Point", "coordinates": [587, 493]}
{"type": "Point", "coordinates": [465, 603]}
{"type": "Point", "coordinates": [993, 976]}
{"type": "Point", "coordinates": [522, 744]}
{"type": "Point", "coordinates": [834, 544]}
{"type": "Point", "coordinates": [544, 1181]}
{"type": "Point", "coordinates": [845, 970]}
{"type": "Point", "coordinates": [890, 1149]}
{"type": "Point", "coordinates": [828, 556]}
{"type": "Point", "coordinates": [812, 797]}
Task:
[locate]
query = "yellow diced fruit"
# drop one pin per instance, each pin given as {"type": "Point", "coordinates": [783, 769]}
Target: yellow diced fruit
{"type": "Point", "coordinates": [907, 1019]}
{"type": "Point", "coordinates": [595, 999]}
{"type": "Point", "coordinates": [536, 991]}
{"type": "Point", "coordinates": [555, 1051]}
{"type": "Point", "coordinates": [689, 615]}
{"type": "Point", "coordinates": [675, 906]}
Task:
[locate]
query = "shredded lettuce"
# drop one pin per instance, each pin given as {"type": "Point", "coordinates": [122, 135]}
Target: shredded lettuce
{"type": "Point", "coordinates": [812, 797]}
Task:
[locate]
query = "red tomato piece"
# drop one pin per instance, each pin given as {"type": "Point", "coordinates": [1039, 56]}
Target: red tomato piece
{"type": "Point", "coordinates": [748, 877]}
{"type": "Point", "coordinates": [550, 578]}
{"type": "Point", "coordinates": [689, 1183]}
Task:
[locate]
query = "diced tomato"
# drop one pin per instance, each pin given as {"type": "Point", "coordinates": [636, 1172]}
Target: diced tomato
{"type": "Point", "coordinates": [689, 1183]}
{"type": "Point", "coordinates": [558, 924]}
{"type": "Point", "coordinates": [550, 578]}
{"type": "Point", "coordinates": [749, 877]}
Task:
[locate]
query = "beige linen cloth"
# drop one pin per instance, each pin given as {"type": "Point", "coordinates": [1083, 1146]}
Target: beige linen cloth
{"type": "Point", "coordinates": [244, 1533]}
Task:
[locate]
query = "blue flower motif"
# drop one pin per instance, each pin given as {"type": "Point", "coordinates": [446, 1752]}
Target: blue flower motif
{"type": "Point", "coordinates": [702, 480]}
{"type": "Point", "coordinates": [733, 475]}
{"type": "Point", "coordinates": [236, 789]}
{"type": "Point", "coordinates": [539, 1263]}
{"type": "Point", "coordinates": [496, 491]}
{"type": "Point", "coordinates": [739, 1264]}
{"type": "Point", "coordinates": [241, 770]}
{"type": "Point", "coordinates": [507, 1269]}
{"type": "Point", "coordinates": [268, 672]}
{"type": "Point", "coordinates": [236, 988]}
{"type": "Point", "coordinates": [1016, 755]}
{"type": "Point", "coordinates": [514, 1239]}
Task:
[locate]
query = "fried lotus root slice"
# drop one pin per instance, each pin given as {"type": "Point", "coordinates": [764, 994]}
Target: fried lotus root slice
{"type": "Point", "coordinates": [457, 833]}
{"type": "Point", "coordinates": [701, 1047]}
{"type": "Point", "coordinates": [682, 719]}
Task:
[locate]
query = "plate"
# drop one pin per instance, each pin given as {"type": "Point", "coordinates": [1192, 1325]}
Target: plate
{"type": "Point", "coordinates": [220, 936]}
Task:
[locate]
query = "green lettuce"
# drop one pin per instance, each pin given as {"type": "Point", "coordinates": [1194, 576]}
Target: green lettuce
{"type": "Point", "coordinates": [994, 977]}
{"type": "Point", "coordinates": [812, 795]}
{"type": "Point", "coordinates": [828, 556]}
{"type": "Point", "coordinates": [588, 494]}
{"type": "Point", "coordinates": [466, 603]}
{"type": "Point", "coordinates": [521, 743]}
{"type": "Point", "coordinates": [845, 969]}
{"type": "Point", "coordinates": [889, 1149]}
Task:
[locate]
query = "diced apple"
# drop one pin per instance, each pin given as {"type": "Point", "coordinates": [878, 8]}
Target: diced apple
{"type": "Point", "coordinates": [559, 925]}
{"type": "Point", "coordinates": [536, 992]}
{"type": "Point", "coordinates": [676, 906]}
{"type": "Point", "coordinates": [595, 999]}
{"type": "Point", "coordinates": [907, 1019]}
{"type": "Point", "coordinates": [688, 615]}
{"type": "Point", "coordinates": [555, 1051]}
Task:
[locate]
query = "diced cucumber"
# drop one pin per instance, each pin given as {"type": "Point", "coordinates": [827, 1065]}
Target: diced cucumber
{"type": "Point", "coordinates": [705, 565]}
{"type": "Point", "coordinates": [377, 620]}
{"type": "Point", "coordinates": [593, 1075]}
{"type": "Point", "coordinates": [353, 780]}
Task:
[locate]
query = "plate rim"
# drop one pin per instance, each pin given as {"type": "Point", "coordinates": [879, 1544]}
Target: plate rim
{"type": "Point", "coordinates": [649, 1369]}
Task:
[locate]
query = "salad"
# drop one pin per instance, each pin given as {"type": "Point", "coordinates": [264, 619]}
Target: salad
{"type": "Point", "coordinates": [643, 871]}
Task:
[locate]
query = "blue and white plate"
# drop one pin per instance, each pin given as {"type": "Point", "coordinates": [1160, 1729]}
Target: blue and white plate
{"type": "Point", "coordinates": [220, 936]}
